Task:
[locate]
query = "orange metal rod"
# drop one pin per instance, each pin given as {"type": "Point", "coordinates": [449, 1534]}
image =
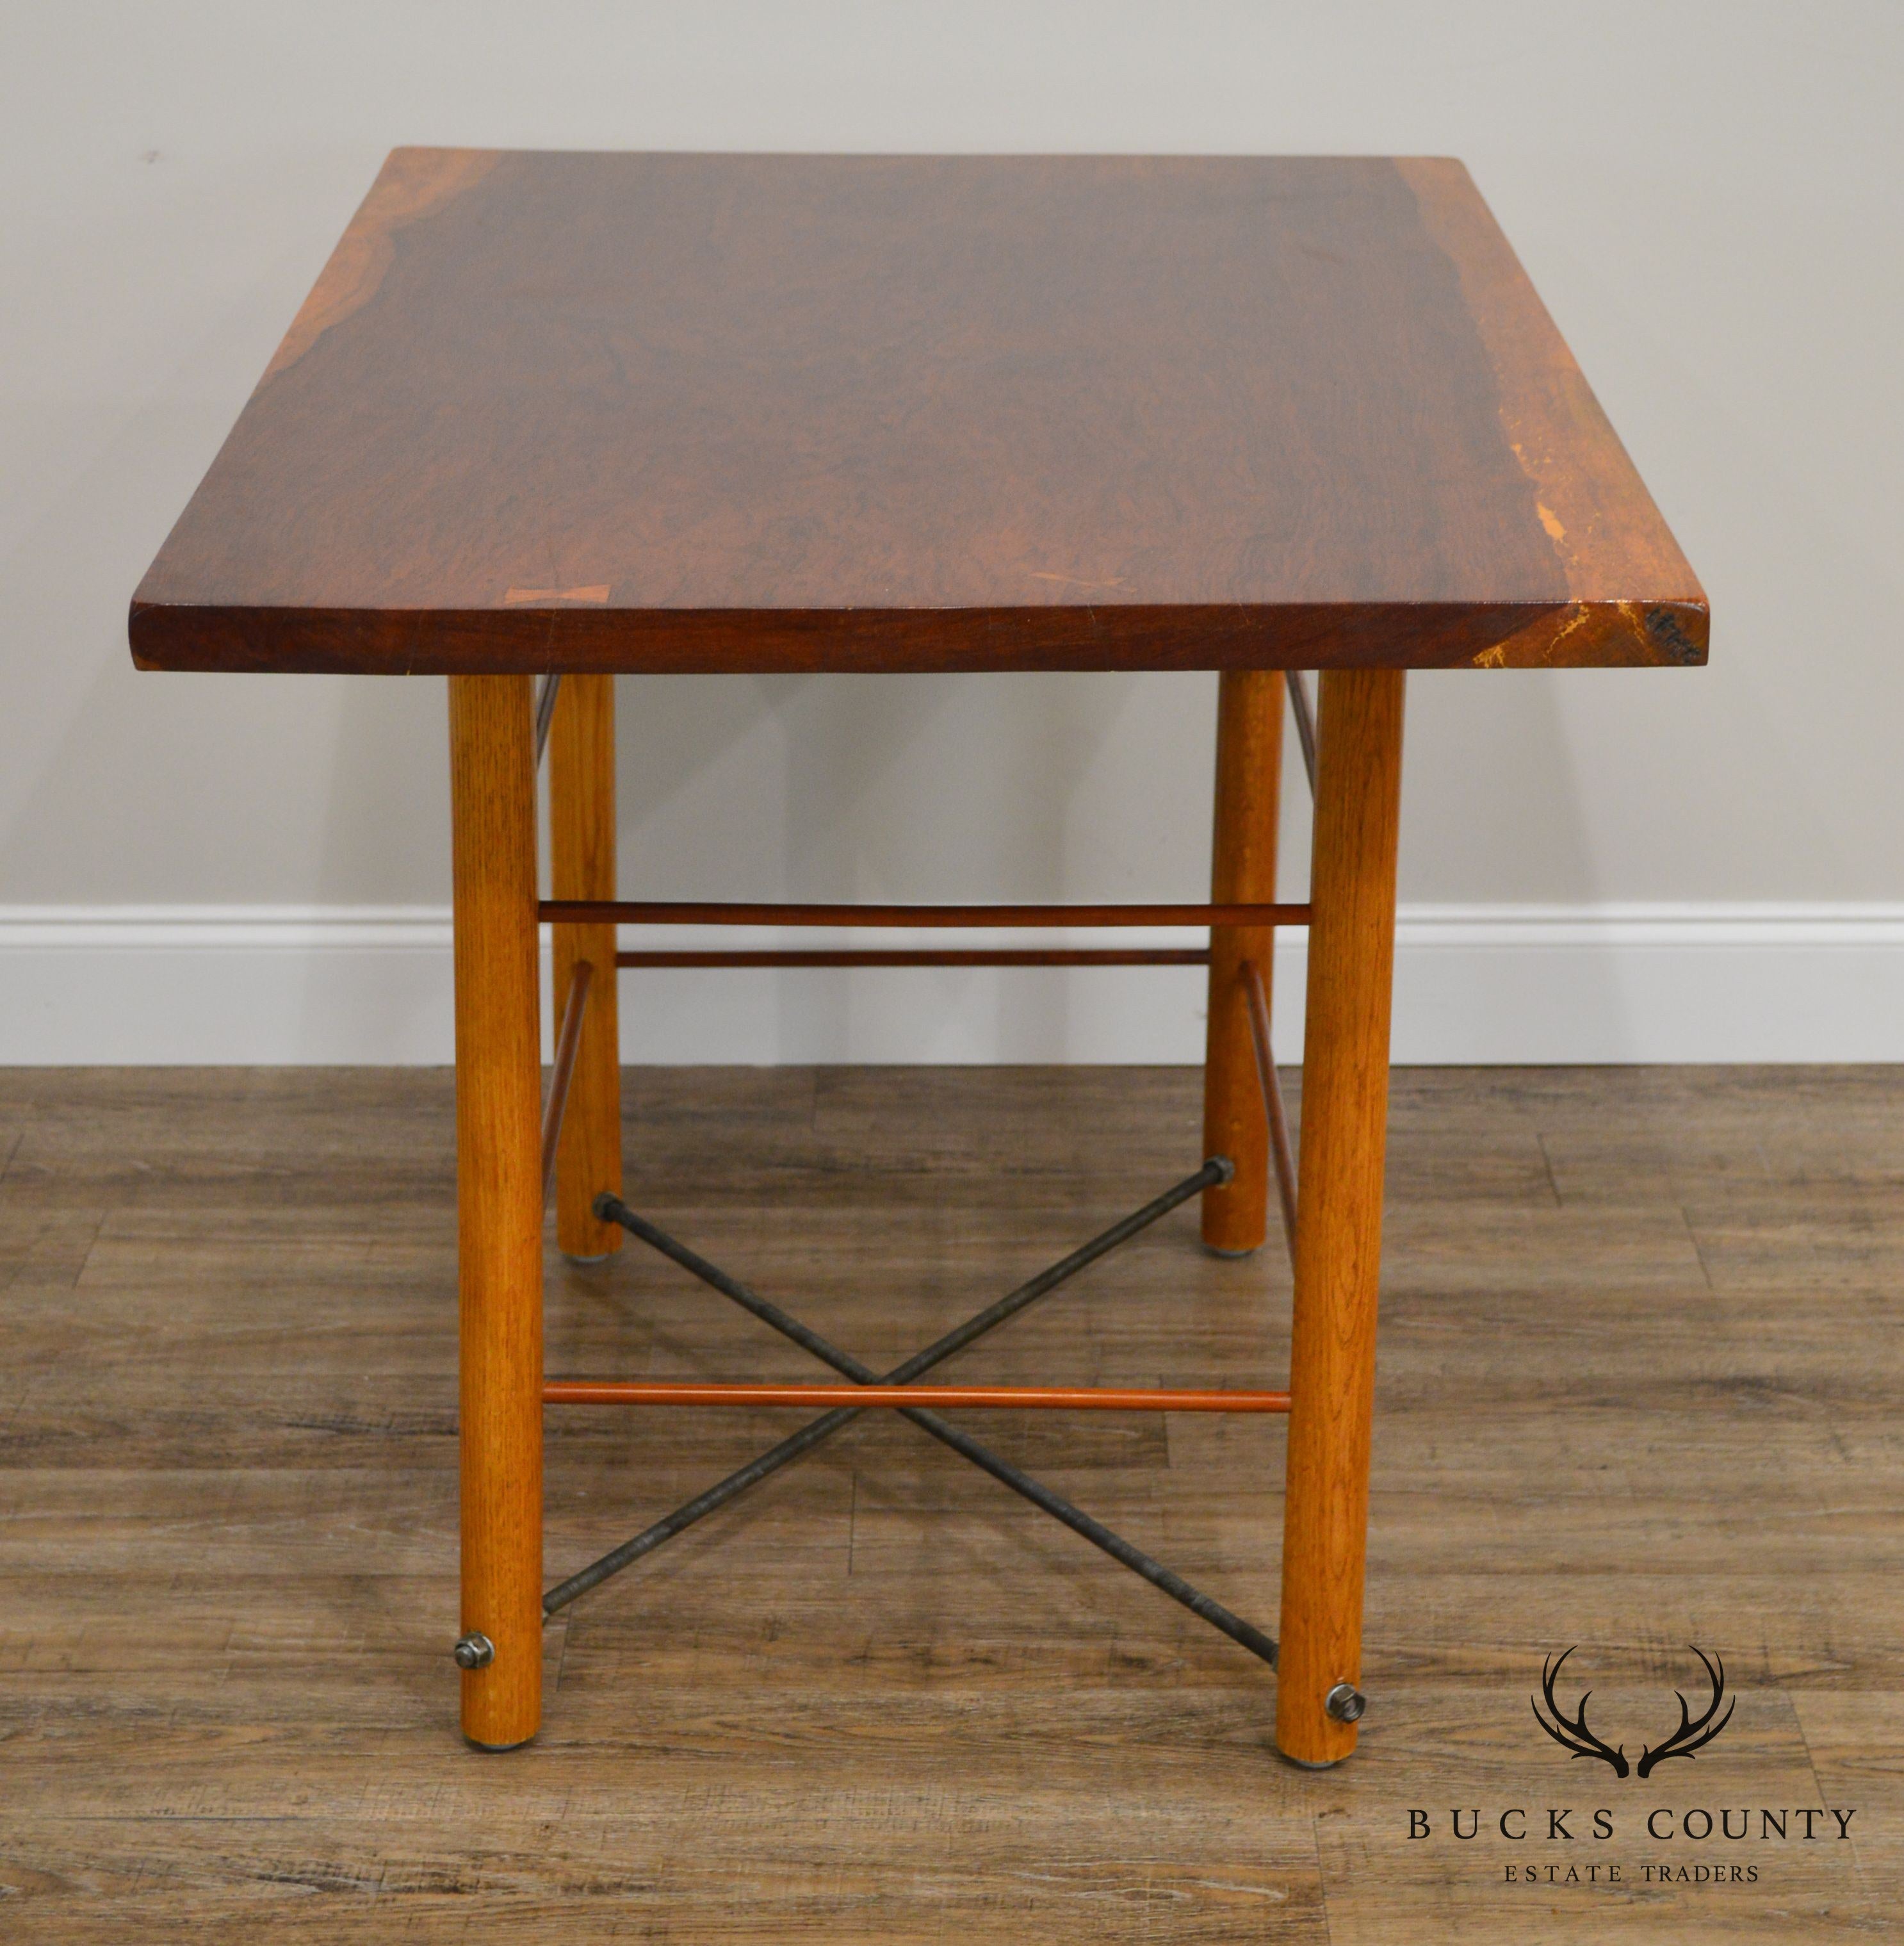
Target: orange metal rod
{"type": "Point", "coordinates": [1056, 1398]}
{"type": "Point", "coordinates": [1085, 955]}
{"type": "Point", "coordinates": [678, 912]}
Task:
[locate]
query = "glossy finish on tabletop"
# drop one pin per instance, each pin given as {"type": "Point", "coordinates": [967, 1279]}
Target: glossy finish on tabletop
{"type": "Point", "coordinates": [678, 412]}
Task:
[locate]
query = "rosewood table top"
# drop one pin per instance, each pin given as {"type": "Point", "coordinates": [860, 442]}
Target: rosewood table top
{"type": "Point", "coordinates": [665, 411]}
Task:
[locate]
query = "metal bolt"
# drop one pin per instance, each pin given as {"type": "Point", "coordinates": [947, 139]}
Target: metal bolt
{"type": "Point", "coordinates": [475, 1651]}
{"type": "Point", "coordinates": [1345, 1703]}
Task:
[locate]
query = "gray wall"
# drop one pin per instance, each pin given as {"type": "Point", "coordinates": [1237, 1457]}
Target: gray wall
{"type": "Point", "coordinates": [1708, 196]}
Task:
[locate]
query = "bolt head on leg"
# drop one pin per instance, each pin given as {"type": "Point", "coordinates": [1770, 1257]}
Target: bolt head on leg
{"type": "Point", "coordinates": [1225, 1176]}
{"type": "Point", "coordinates": [1345, 1703]}
{"type": "Point", "coordinates": [474, 1651]}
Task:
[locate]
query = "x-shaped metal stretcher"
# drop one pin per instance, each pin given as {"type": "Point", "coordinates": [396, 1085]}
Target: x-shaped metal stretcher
{"type": "Point", "coordinates": [611, 1209]}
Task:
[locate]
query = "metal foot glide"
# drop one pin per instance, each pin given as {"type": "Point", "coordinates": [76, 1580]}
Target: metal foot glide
{"type": "Point", "coordinates": [611, 1209]}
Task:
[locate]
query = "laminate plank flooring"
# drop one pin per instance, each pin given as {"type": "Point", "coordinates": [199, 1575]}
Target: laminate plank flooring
{"type": "Point", "coordinates": [1641, 1340]}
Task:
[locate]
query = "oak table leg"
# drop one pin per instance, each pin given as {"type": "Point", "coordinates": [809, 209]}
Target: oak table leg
{"type": "Point", "coordinates": [1249, 776]}
{"type": "Point", "coordinates": [499, 1201]}
{"type": "Point", "coordinates": [581, 863]}
{"type": "Point", "coordinates": [1338, 1220]}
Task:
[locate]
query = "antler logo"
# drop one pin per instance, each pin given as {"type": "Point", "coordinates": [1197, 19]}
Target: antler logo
{"type": "Point", "coordinates": [1571, 1733]}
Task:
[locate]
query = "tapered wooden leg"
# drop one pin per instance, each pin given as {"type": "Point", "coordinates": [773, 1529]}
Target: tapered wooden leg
{"type": "Point", "coordinates": [1249, 776]}
{"type": "Point", "coordinates": [581, 861]}
{"type": "Point", "coordinates": [1338, 1224]}
{"type": "Point", "coordinates": [499, 1200]}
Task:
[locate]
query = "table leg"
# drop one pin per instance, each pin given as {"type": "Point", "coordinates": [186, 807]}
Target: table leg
{"type": "Point", "coordinates": [499, 1201]}
{"type": "Point", "coordinates": [1338, 1223]}
{"type": "Point", "coordinates": [1249, 776]}
{"type": "Point", "coordinates": [581, 863]}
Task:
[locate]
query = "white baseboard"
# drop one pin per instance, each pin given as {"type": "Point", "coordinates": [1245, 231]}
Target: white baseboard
{"type": "Point", "coordinates": [1480, 984]}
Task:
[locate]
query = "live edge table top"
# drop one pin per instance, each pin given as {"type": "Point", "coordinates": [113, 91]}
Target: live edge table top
{"type": "Point", "coordinates": [548, 411]}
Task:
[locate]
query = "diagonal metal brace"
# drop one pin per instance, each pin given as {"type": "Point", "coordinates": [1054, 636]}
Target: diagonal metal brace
{"type": "Point", "coordinates": [1215, 1170]}
{"type": "Point", "coordinates": [610, 1208]}
{"type": "Point", "coordinates": [547, 691]}
{"type": "Point", "coordinates": [568, 1041]}
{"type": "Point", "coordinates": [1305, 723]}
{"type": "Point", "coordinates": [1283, 1157]}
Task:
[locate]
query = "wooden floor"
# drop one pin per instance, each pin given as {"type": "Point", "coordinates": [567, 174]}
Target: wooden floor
{"type": "Point", "coordinates": [1639, 1388]}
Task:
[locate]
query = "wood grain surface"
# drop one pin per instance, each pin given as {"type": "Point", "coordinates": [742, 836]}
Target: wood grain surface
{"type": "Point", "coordinates": [1640, 1336]}
{"type": "Point", "coordinates": [1243, 869]}
{"type": "Point", "coordinates": [581, 866]}
{"type": "Point", "coordinates": [499, 1197]}
{"type": "Point", "coordinates": [679, 412]}
{"type": "Point", "coordinates": [1339, 1202]}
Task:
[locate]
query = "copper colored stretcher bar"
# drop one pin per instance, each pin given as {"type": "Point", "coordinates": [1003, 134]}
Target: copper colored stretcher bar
{"type": "Point", "coordinates": [695, 912]}
{"type": "Point", "coordinates": [1099, 1398]}
{"type": "Point", "coordinates": [996, 955]}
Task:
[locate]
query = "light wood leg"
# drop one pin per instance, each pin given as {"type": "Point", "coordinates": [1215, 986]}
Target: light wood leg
{"type": "Point", "coordinates": [1249, 776]}
{"type": "Point", "coordinates": [1338, 1224]}
{"type": "Point", "coordinates": [499, 1199]}
{"type": "Point", "coordinates": [581, 858]}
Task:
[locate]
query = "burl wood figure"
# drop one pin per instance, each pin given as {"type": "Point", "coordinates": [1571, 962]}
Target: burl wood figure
{"type": "Point", "coordinates": [575, 415]}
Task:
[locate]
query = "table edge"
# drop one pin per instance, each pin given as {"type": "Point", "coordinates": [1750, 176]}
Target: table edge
{"type": "Point", "coordinates": [1665, 631]}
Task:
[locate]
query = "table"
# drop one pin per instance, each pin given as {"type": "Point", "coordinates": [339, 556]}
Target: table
{"type": "Point", "coordinates": [573, 415]}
